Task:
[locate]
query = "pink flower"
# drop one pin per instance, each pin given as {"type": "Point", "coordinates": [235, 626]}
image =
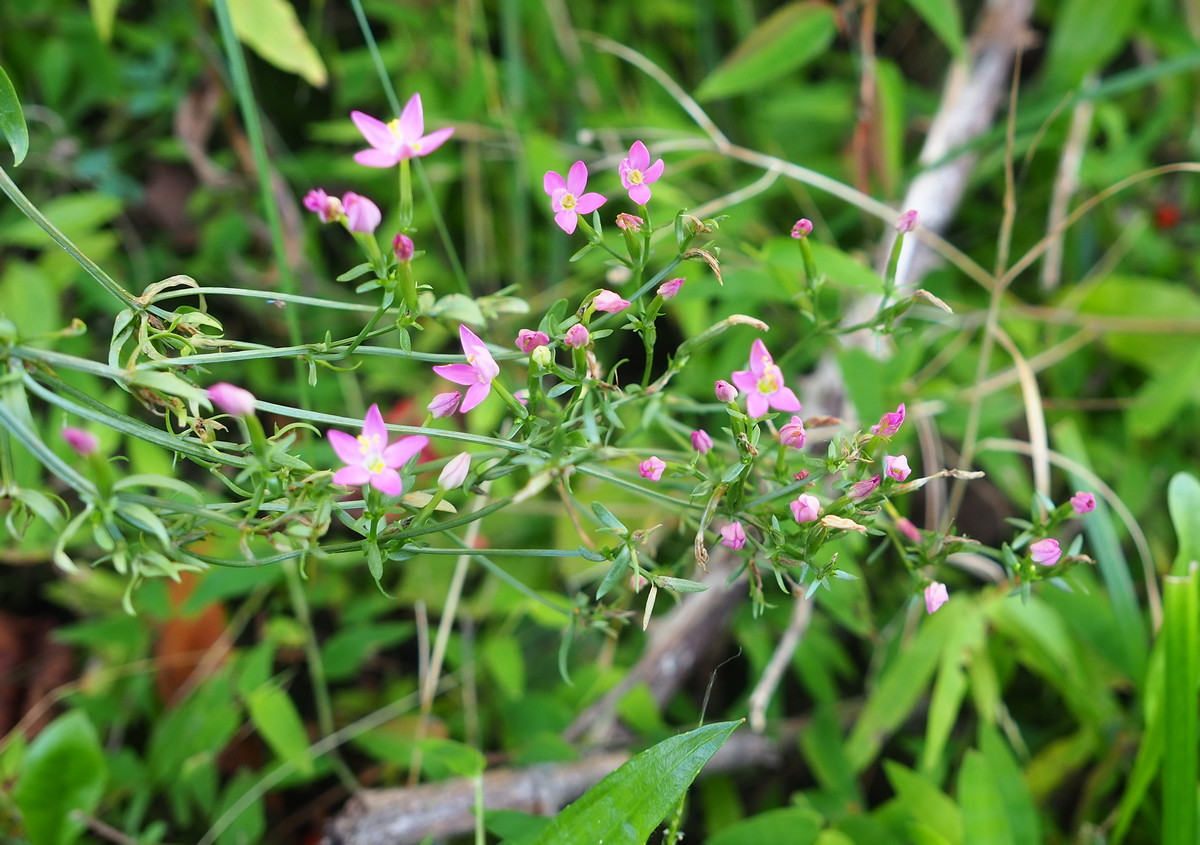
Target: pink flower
{"type": "Point", "coordinates": [529, 340]}
{"type": "Point", "coordinates": [1083, 503]}
{"type": "Point", "coordinates": [609, 302]}
{"type": "Point", "coordinates": [733, 536]}
{"type": "Point", "coordinates": [369, 459]}
{"type": "Point", "coordinates": [862, 489]}
{"type": "Point", "coordinates": [701, 442]}
{"type": "Point", "coordinates": [455, 473]}
{"type": "Point", "coordinates": [402, 138]}
{"type": "Point", "coordinates": [897, 467]}
{"type": "Point", "coordinates": [907, 222]}
{"type": "Point", "coordinates": [792, 434]}
{"type": "Point", "coordinates": [908, 529]}
{"type": "Point", "coordinates": [667, 290]}
{"type": "Point", "coordinates": [652, 468]}
{"type": "Point", "coordinates": [936, 595]}
{"type": "Point", "coordinates": [807, 508]}
{"type": "Point", "coordinates": [802, 229]}
{"type": "Point", "coordinates": [1046, 552]}
{"type": "Point", "coordinates": [890, 422]}
{"type": "Point", "coordinates": [324, 206]}
{"type": "Point", "coordinates": [476, 374]}
{"type": "Point", "coordinates": [83, 442]}
{"type": "Point", "coordinates": [629, 222]}
{"type": "Point", "coordinates": [637, 173]}
{"type": "Point", "coordinates": [231, 399]}
{"type": "Point", "coordinates": [725, 391]}
{"type": "Point", "coordinates": [444, 404]}
{"type": "Point", "coordinates": [567, 196]}
{"type": "Point", "coordinates": [577, 336]}
{"type": "Point", "coordinates": [763, 384]}
{"type": "Point", "coordinates": [362, 215]}
{"type": "Point", "coordinates": [403, 247]}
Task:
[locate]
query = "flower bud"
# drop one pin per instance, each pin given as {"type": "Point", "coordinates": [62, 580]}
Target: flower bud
{"type": "Point", "coordinates": [936, 595]}
{"type": "Point", "coordinates": [609, 301]}
{"type": "Point", "coordinates": [862, 489]}
{"type": "Point", "coordinates": [542, 357]}
{"type": "Point", "coordinates": [1083, 503]}
{"type": "Point", "coordinates": [725, 391]}
{"type": "Point", "coordinates": [807, 508]}
{"type": "Point", "coordinates": [667, 290]}
{"type": "Point", "coordinates": [907, 222]}
{"type": "Point", "coordinates": [529, 340]}
{"type": "Point", "coordinates": [455, 473]}
{"type": "Point", "coordinates": [802, 229]}
{"type": "Point", "coordinates": [231, 399]}
{"type": "Point", "coordinates": [792, 434]}
{"type": "Point", "coordinates": [701, 442]}
{"type": "Point", "coordinates": [577, 336]}
{"type": "Point", "coordinates": [445, 404]}
{"type": "Point", "coordinates": [629, 222]}
{"type": "Point", "coordinates": [403, 248]}
{"type": "Point", "coordinates": [1046, 552]}
{"type": "Point", "coordinates": [324, 206]}
{"type": "Point", "coordinates": [896, 466]}
{"type": "Point", "coordinates": [652, 468]}
{"type": "Point", "coordinates": [83, 442]}
{"type": "Point", "coordinates": [362, 215]}
{"type": "Point", "coordinates": [733, 536]}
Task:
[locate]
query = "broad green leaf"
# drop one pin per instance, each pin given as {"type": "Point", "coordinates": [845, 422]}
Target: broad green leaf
{"type": "Point", "coordinates": [961, 643]}
{"type": "Point", "coordinates": [104, 12]}
{"type": "Point", "coordinates": [505, 663]}
{"type": "Point", "coordinates": [1181, 638]}
{"type": "Point", "coordinates": [925, 803]}
{"type": "Point", "coordinates": [1019, 806]}
{"type": "Point", "coordinates": [278, 722]}
{"type": "Point", "coordinates": [1085, 35]}
{"type": "Point", "coordinates": [12, 120]}
{"type": "Point", "coordinates": [1183, 502]}
{"type": "Point", "coordinates": [826, 755]}
{"type": "Point", "coordinates": [628, 805]}
{"type": "Point", "coordinates": [271, 29]}
{"type": "Point", "coordinates": [62, 772]}
{"type": "Point", "coordinates": [459, 308]}
{"type": "Point", "coordinates": [984, 819]}
{"type": "Point", "coordinates": [790, 38]}
{"type": "Point", "coordinates": [681, 585]}
{"type": "Point", "coordinates": [793, 825]}
{"type": "Point", "coordinates": [440, 757]}
{"type": "Point", "coordinates": [944, 18]}
{"type": "Point", "coordinates": [250, 824]}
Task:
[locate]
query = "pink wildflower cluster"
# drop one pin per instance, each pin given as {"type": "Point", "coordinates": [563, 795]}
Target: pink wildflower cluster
{"type": "Point", "coordinates": [570, 198]}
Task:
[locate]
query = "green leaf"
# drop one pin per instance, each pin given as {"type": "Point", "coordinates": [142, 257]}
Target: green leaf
{"type": "Point", "coordinates": [793, 825]}
{"type": "Point", "coordinates": [1085, 35]}
{"type": "Point", "coordinates": [104, 12]}
{"type": "Point", "coordinates": [959, 647]}
{"type": "Point", "coordinates": [454, 758]}
{"type": "Point", "coordinates": [271, 29]}
{"type": "Point", "coordinates": [458, 307]}
{"type": "Point", "coordinates": [615, 572]}
{"type": "Point", "coordinates": [1019, 806]}
{"type": "Point", "coordinates": [628, 805]}
{"type": "Point", "coordinates": [278, 722]}
{"type": "Point", "coordinates": [790, 38]}
{"type": "Point", "coordinates": [606, 517]}
{"type": "Point", "coordinates": [944, 18]}
{"type": "Point", "coordinates": [250, 824]}
{"type": "Point", "coordinates": [12, 120]}
{"type": "Point", "coordinates": [1183, 503]}
{"type": "Point", "coordinates": [1181, 638]}
{"type": "Point", "coordinates": [62, 772]}
{"type": "Point", "coordinates": [925, 803]}
{"type": "Point", "coordinates": [680, 585]}
{"type": "Point", "coordinates": [985, 822]}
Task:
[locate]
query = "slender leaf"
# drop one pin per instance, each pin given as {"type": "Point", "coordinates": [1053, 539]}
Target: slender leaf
{"type": "Point", "coordinates": [278, 722]}
{"type": "Point", "coordinates": [1019, 806]}
{"type": "Point", "coordinates": [944, 18]}
{"type": "Point", "coordinates": [984, 819]}
{"type": "Point", "coordinates": [1086, 34]}
{"type": "Point", "coordinates": [1181, 635]}
{"type": "Point", "coordinates": [1183, 502]}
{"type": "Point", "coordinates": [925, 804]}
{"type": "Point", "coordinates": [12, 120]}
{"type": "Point", "coordinates": [628, 805]}
{"type": "Point", "coordinates": [104, 13]}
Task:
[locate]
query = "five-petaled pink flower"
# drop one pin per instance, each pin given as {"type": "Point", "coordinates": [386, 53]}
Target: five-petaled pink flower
{"type": "Point", "coordinates": [567, 196]}
{"type": "Point", "coordinates": [1083, 503]}
{"type": "Point", "coordinates": [763, 384]}
{"type": "Point", "coordinates": [529, 340]}
{"type": "Point", "coordinates": [936, 595]}
{"type": "Point", "coordinates": [609, 302]}
{"type": "Point", "coordinates": [652, 468]}
{"type": "Point", "coordinates": [477, 374]}
{"type": "Point", "coordinates": [896, 466]}
{"type": "Point", "coordinates": [792, 434]}
{"type": "Point", "coordinates": [701, 441]}
{"type": "Point", "coordinates": [402, 138]}
{"type": "Point", "coordinates": [733, 536]}
{"type": "Point", "coordinates": [369, 459]}
{"type": "Point", "coordinates": [1046, 552]}
{"type": "Point", "coordinates": [807, 508]}
{"type": "Point", "coordinates": [890, 422]}
{"type": "Point", "coordinates": [637, 173]}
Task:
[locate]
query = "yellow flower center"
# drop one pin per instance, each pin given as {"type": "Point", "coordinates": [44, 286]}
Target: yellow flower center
{"type": "Point", "coordinates": [635, 176]}
{"type": "Point", "coordinates": [769, 382]}
{"type": "Point", "coordinates": [394, 127]}
{"type": "Point", "coordinates": [568, 201]}
{"type": "Point", "coordinates": [368, 445]}
{"type": "Point", "coordinates": [375, 466]}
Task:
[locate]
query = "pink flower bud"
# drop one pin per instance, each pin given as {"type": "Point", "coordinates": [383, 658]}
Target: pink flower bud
{"type": "Point", "coordinates": [792, 434]}
{"type": "Point", "coordinates": [908, 529]}
{"type": "Point", "coordinates": [232, 399]}
{"type": "Point", "coordinates": [444, 404]}
{"type": "Point", "coordinates": [733, 536]}
{"type": "Point", "coordinates": [652, 468]}
{"type": "Point", "coordinates": [629, 222]}
{"type": "Point", "coordinates": [1083, 503]}
{"type": "Point", "coordinates": [362, 215]}
{"type": "Point", "coordinates": [1046, 552]}
{"type": "Point", "coordinates": [577, 336]}
{"type": "Point", "coordinates": [802, 229]}
{"type": "Point", "coordinates": [608, 301]}
{"type": "Point", "coordinates": [455, 473]}
{"type": "Point", "coordinates": [403, 247]}
{"type": "Point", "coordinates": [862, 489]}
{"type": "Point", "coordinates": [324, 206]}
{"type": "Point", "coordinates": [529, 340]}
{"type": "Point", "coordinates": [701, 442]}
{"type": "Point", "coordinates": [936, 595]}
{"type": "Point", "coordinates": [907, 222]}
{"type": "Point", "coordinates": [896, 466]}
{"type": "Point", "coordinates": [725, 391]}
{"type": "Point", "coordinates": [806, 509]}
{"type": "Point", "coordinates": [521, 396]}
{"type": "Point", "coordinates": [83, 442]}
{"type": "Point", "coordinates": [890, 422]}
{"type": "Point", "coordinates": [667, 290]}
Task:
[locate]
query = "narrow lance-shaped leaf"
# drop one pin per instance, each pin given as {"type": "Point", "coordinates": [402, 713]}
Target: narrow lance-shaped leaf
{"type": "Point", "coordinates": [12, 120]}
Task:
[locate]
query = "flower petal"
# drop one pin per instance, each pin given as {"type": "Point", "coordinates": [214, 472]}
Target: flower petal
{"type": "Point", "coordinates": [346, 446]}
{"type": "Point", "coordinates": [577, 178]}
{"type": "Point", "coordinates": [552, 182]}
{"type": "Point", "coordinates": [374, 130]}
{"type": "Point", "coordinates": [388, 481]}
{"type": "Point", "coordinates": [652, 173]}
{"type": "Point", "coordinates": [745, 381]}
{"type": "Point", "coordinates": [373, 426]}
{"type": "Point", "coordinates": [476, 393]}
{"type": "Point", "coordinates": [353, 476]}
{"type": "Point", "coordinates": [589, 202]}
{"type": "Point", "coordinates": [458, 373]}
{"type": "Point", "coordinates": [412, 119]}
{"type": "Point", "coordinates": [471, 343]}
{"type": "Point", "coordinates": [640, 194]}
{"type": "Point", "coordinates": [567, 221]}
{"type": "Point", "coordinates": [377, 158]}
{"type": "Point", "coordinates": [424, 146]}
{"type": "Point", "coordinates": [639, 156]}
{"type": "Point", "coordinates": [760, 358]}
{"type": "Point", "coordinates": [784, 399]}
{"type": "Point", "coordinates": [397, 455]}
{"type": "Point", "coordinates": [756, 404]}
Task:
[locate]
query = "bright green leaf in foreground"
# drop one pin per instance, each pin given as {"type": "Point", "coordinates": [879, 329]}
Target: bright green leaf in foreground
{"type": "Point", "coordinates": [63, 772]}
{"type": "Point", "coordinates": [12, 119]}
{"type": "Point", "coordinates": [271, 29]}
